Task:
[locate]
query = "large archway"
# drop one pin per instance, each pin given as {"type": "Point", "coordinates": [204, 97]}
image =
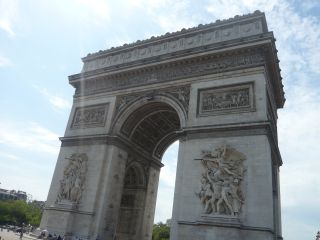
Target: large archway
{"type": "Point", "coordinates": [216, 88]}
{"type": "Point", "coordinates": [149, 126]}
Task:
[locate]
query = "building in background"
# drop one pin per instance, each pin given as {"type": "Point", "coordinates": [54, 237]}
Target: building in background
{"type": "Point", "coordinates": [12, 195]}
{"type": "Point", "coordinates": [39, 204]}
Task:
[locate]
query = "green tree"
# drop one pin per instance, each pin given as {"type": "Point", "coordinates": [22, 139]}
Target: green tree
{"type": "Point", "coordinates": [161, 231]}
{"type": "Point", "coordinates": [17, 212]}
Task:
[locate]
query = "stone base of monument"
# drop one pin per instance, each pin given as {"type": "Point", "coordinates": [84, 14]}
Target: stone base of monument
{"type": "Point", "coordinates": [61, 218]}
{"type": "Point", "coordinates": [66, 204]}
{"type": "Point", "coordinates": [219, 220]}
{"type": "Point", "coordinates": [215, 220]}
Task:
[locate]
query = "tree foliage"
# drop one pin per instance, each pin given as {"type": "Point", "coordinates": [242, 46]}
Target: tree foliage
{"type": "Point", "coordinates": [161, 231]}
{"type": "Point", "coordinates": [16, 212]}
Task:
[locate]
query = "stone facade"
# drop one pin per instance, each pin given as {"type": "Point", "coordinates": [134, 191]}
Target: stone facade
{"type": "Point", "coordinates": [216, 88]}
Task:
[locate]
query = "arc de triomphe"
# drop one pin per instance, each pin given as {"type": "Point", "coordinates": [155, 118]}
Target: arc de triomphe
{"type": "Point", "coordinates": [216, 88]}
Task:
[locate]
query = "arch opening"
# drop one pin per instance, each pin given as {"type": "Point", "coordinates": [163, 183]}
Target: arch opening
{"type": "Point", "coordinates": [164, 204]}
{"type": "Point", "coordinates": [132, 201]}
{"type": "Point", "coordinates": [152, 127]}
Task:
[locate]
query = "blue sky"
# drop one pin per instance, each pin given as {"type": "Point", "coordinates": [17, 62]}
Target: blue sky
{"type": "Point", "coordinates": [42, 42]}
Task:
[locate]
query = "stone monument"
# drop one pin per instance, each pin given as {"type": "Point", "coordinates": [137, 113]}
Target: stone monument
{"type": "Point", "coordinates": [216, 88]}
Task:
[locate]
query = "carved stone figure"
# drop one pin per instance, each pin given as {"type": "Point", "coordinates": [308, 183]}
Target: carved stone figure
{"type": "Point", "coordinates": [90, 116]}
{"type": "Point", "coordinates": [181, 94]}
{"type": "Point", "coordinates": [220, 191]}
{"type": "Point", "coordinates": [229, 99]}
{"type": "Point", "coordinates": [72, 184]}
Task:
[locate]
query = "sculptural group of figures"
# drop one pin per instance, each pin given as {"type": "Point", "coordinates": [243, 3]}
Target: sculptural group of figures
{"type": "Point", "coordinates": [226, 100]}
{"type": "Point", "coordinates": [95, 115]}
{"type": "Point", "coordinates": [72, 184]}
{"type": "Point", "coordinates": [220, 190]}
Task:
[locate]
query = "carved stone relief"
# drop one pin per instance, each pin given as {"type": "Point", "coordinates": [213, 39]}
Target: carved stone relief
{"type": "Point", "coordinates": [192, 68]}
{"type": "Point", "coordinates": [208, 35]}
{"type": "Point", "coordinates": [181, 94]}
{"type": "Point", "coordinates": [74, 176]}
{"type": "Point", "coordinates": [90, 116]}
{"type": "Point", "coordinates": [220, 190]}
{"type": "Point", "coordinates": [225, 99]}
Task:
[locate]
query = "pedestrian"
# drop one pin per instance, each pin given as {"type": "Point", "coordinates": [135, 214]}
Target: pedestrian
{"type": "Point", "coordinates": [21, 234]}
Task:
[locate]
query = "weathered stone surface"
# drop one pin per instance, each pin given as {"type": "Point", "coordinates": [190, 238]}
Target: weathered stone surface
{"type": "Point", "coordinates": [216, 88]}
{"type": "Point", "coordinates": [202, 36]}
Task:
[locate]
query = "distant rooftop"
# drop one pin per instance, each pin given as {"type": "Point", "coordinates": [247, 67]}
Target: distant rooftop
{"type": "Point", "coordinates": [6, 194]}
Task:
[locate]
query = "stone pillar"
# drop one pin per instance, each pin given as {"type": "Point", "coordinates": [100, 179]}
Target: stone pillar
{"type": "Point", "coordinates": [227, 171]}
{"type": "Point", "coordinates": [107, 211]}
{"type": "Point", "coordinates": [150, 203]}
{"type": "Point", "coordinates": [196, 201]}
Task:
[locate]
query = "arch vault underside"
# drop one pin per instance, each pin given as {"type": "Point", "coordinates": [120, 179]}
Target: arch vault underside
{"type": "Point", "coordinates": [216, 88]}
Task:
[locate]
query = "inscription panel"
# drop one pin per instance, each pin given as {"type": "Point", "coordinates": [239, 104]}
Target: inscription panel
{"type": "Point", "coordinates": [90, 116]}
{"type": "Point", "coordinates": [226, 99]}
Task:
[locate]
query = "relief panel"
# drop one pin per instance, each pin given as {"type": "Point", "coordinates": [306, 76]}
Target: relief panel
{"type": "Point", "coordinates": [223, 100]}
{"type": "Point", "coordinates": [74, 176]}
{"type": "Point", "coordinates": [221, 191]}
{"type": "Point", "coordinates": [90, 116]}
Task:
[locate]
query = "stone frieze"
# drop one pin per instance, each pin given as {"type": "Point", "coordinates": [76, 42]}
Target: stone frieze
{"type": "Point", "coordinates": [90, 116]}
{"type": "Point", "coordinates": [192, 68]}
{"type": "Point", "coordinates": [181, 94]}
{"type": "Point", "coordinates": [225, 99]}
{"type": "Point", "coordinates": [196, 37]}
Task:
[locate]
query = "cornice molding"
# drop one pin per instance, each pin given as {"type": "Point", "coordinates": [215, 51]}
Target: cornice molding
{"type": "Point", "coordinates": [237, 43]}
{"type": "Point", "coordinates": [166, 72]}
{"type": "Point", "coordinates": [234, 130]}
{"type": "Point", "coordinates": [221, 31]}
{"type": "Point", "coordinates": [222, 130]}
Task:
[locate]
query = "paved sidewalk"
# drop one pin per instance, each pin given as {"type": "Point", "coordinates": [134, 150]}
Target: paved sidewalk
{"type": "Point", "coordinates": [14, 236]}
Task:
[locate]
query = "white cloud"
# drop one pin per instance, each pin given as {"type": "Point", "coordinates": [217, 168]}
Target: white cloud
{"type": "Point", "coordinates": [167, 183]}
{"type": "Point", "coordinates": [299, 229]}
{"type": "Point", "coordinates": [164, 204]}
{"type": "Point", "coordinates": [298, 36]}
{"type": "Point", "coordinates": [169, 15]}
{"type": "Point", "coordinates": [299, 138]}
{"type": "Point", "coordinates": [8, 15]}
{"type": "Point", "coordinates": [99, 8]}
{"type": "Point", "coordinates": [6, 26]}
{"type": "Point", "coordinates": [29, 136]}
{"type": "Point", "coordinates": [307, 5]}
{"type": "Point", "coordinates": [168, 175]}
{"type": "Point", "coordinates": [175, 16]}
{"type": "Point", "coordinates": [9, 155]}
{"type": "Point", "coordinates": [57, 102]}
{"type": "Point", "coordinates": [298, 40]}
{"type": "Point", "coordinates": [82, 12]}
{"type": "Point", "coordinates": [4, 62]}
